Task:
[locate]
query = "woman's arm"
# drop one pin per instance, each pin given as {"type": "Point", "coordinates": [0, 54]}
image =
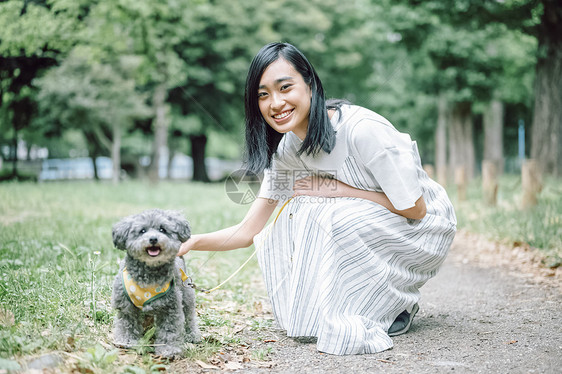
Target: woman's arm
{"type": "Point", "coordinates": [237, 236]}
{"type": "Point", "coordinates": [318, 186]}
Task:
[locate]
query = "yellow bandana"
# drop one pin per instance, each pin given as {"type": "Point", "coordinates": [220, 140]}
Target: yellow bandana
{"type": "Point", "coordinates": [144, 295]}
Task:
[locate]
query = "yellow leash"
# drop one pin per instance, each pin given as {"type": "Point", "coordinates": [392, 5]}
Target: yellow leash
{"type": "Point", "coordinates": [249, 258]}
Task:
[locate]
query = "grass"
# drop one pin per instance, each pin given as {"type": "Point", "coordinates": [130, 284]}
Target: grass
{"type": "Point", "coordinates": [57, 264]}
{"type": "Point", "coordinates": [539, 227]}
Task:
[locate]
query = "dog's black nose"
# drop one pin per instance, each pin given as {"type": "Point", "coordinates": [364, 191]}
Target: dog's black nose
{"type": "Point", "coordinates": [153, 240]}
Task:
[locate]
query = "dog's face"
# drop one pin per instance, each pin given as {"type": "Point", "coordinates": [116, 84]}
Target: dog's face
{"type": "Point", "coordinates": [153, 236]}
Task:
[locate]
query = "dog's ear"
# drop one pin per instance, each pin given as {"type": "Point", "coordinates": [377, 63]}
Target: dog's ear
{"type": "Point", "coordinates": [121, 232]}
{"type": "Point", "coordinates": [182, 228]}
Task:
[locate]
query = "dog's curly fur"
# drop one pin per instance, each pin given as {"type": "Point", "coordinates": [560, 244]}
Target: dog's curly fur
{"type": "Point", "coordinates": [152, 240]}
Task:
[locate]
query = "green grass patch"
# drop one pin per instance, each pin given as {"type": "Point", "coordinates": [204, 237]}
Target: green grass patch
{"type": "Point", "coordinates": [539, 227]}
{"type": "Point", "coordinates": [57, 264]}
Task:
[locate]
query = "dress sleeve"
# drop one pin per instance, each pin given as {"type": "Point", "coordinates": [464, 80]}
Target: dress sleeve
{"type": "Point", "coordinates": [389, 156]}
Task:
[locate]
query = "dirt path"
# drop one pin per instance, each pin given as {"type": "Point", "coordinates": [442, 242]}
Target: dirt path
{"type": "Point", "coordinates": [490, 309]}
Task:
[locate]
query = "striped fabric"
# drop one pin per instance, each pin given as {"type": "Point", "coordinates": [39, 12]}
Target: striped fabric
{"type": "Point", "coordinates": [342, 269]}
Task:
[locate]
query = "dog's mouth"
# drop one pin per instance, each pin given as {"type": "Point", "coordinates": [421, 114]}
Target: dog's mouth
{"type": "Point", "coordinates": [153, 251]}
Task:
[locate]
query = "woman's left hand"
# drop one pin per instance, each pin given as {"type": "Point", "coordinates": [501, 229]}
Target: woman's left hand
{"type": "Point", "coordinates": [327, 187]}
{"type": "Point", "coordinates": [319, 186]}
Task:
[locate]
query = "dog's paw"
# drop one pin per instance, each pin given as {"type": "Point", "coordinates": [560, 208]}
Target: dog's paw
{"type": "Point", "coordinates": [193, 336]}
{"type": "Point", "coordinates": [169, 352]}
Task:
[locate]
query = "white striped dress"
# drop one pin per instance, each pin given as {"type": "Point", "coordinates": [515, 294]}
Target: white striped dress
{"type": "Point", "coordinates": [342, 269]}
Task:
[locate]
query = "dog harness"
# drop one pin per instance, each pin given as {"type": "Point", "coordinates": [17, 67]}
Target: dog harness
{"type": "Point", "coordinates": [140, 296]}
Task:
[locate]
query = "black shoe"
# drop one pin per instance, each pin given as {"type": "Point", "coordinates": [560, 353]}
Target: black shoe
{"type": "Point", "coordinates": [402, 323]}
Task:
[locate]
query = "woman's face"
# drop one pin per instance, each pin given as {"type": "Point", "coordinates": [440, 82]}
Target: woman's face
{"type": "Point", "coordinates": [284, 98]}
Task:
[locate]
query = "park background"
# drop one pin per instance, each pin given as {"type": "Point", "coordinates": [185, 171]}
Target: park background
{"type": "Point", "coordinates": [153, 91]}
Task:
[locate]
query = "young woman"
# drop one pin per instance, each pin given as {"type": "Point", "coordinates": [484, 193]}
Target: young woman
{"type": "Point", "coordinates": [364, 227]}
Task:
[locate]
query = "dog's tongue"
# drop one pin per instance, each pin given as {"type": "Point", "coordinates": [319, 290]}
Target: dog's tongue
{"type": "Point", "coordinates": [153, 251]}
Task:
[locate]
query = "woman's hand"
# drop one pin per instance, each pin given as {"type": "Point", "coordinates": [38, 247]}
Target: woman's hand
{"type": "Point", "coordinates": [187, 246]}
{"type": "Point", "coordinates": [237, 236]}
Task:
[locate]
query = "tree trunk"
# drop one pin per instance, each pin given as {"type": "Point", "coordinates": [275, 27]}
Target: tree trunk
{"type": "Point", "coordinates": [95, 165]}
{"type": "Point", "coordinates": [546, 135]}
{"type": "Point", "coordinates": [441, 141]}
{"type": "Point", "coordinates": [116, 153]}
{"type": "Point", "coordinates": [198, 143]}
{"type": "Point", "coordinates": [160, 132]}
{"type": "Point", "coordinates": [94, 149]}
{"type": "Point", "coordinates": [461, 142]}
{"type": "Point", "coordinates": [15, 153]}
{"type": "Point", "coordinates": [493, 135]}
{"type": "Point", "coordinates": [22, 112]}
{"type": "Point", "coordinates": [489, 182]}
{"type": "Point", "coordinates": [169, 169]}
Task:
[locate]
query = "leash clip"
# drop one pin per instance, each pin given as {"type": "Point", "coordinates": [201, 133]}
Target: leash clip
{"type": "Point", "coordinates": [189, 283]}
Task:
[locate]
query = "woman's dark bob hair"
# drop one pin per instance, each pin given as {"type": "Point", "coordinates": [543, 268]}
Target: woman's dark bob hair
{"type": "Point", "coordinates": [261, 139]}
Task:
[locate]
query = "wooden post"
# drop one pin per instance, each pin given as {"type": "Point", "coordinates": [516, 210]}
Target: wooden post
{"type": "Point", "coordinates": [460, 181]}
{"type": "Point", "coordinates": [489, 182]}
{"type": "Point", "coordinates": [531, 181]}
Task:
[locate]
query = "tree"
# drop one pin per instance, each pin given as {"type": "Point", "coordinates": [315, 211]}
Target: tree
{"type": "Point", "coordinates": [477, 59]}
{"type": "Point", "coordinates": [224, 38]}
{"type": "Point", "coordinates": [218, 43]}
{"type": "Point", "coordinates": [540, 19]}
{"type": "Point", "coordinates": [546, 144]}
{"type": "Point", "coordinates": [33, 36]}
{"type": "Point", "coordinates": [148, 30]}
{"type": "Point", "coordinates": [97, 98]}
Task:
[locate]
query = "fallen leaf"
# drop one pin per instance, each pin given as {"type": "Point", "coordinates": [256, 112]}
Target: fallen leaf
{"type": "Point", "coordinates": [385, 361]}
{"type": "Point", "coordinates": [231, 365]}
{"type": "Point", "coordinates": [258, 307]}
{"type": "Point", "coordinates": [238, 328]}
{"type": "Point", "coordinates": [70, 344]}
{"type": "Point", "coordinates": [215, 361]}
{"type": "Point", "coordinates": [204, 365]}
{"type": "Point", "coordinates": [269, 341]}
{"type": "Point", "coordinates": [266, 366]}
{"type": "Point", "coordinates": [224, 357]}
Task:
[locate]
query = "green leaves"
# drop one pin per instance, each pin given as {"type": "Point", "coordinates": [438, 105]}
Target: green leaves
{"type": "Point", "coordinates": [9, 365]}
{"type": "Point", "coordinates": [97, 359]}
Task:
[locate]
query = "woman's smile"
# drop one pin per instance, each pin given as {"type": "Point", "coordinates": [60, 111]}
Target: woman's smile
{"type": "Point", "coordinates": [282, 116]}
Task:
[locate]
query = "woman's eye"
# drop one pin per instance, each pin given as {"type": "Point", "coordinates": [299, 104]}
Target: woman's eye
{"type": "Point", "coordinates": [261, 94]}
{"type": "Point", "coordinates": [143, 231]}
{"type": "Point", "coordinates": [162, 230]}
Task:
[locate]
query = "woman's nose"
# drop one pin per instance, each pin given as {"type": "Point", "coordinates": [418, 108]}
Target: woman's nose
{"type": "Point", "coordinates": [277, 101]}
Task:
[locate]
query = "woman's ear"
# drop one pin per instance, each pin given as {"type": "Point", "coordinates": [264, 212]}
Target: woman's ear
{"type": "Point", "coordinates": [121, 232]}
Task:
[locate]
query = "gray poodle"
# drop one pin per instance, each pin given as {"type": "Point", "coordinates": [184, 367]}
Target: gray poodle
{"type": "Point", "coordinates": [150, 282]}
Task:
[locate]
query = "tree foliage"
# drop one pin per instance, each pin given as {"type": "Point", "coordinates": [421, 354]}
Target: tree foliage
{"type": "Point", "coordinates": [181, 64]}
{"type": "Point", "coordinates": [82, 94]}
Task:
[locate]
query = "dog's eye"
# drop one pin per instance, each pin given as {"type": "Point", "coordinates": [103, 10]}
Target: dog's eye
{"type": "Point", "coordinates": [143, 231]}
{"type": "Point", "coordinates": [162, 230]}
